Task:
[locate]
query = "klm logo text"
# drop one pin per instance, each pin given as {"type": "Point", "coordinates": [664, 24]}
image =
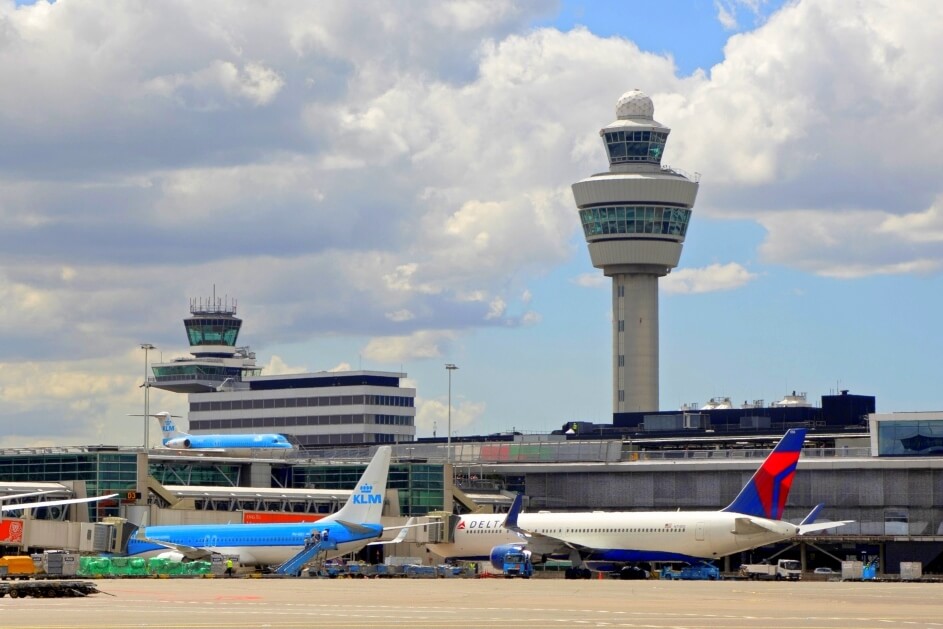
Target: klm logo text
{"type": "Point", "coordinates": [368, 499]}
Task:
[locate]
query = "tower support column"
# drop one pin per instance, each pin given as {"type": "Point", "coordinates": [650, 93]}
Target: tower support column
{"type": "Point", "coordinates": [635, 342]}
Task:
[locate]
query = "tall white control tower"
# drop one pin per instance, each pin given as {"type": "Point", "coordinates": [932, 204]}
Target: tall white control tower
{"type": "Point", "coordinates": [635, 217]}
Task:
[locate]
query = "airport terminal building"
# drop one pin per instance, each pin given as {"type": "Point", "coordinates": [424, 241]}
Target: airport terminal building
{"type": "Point", "coordinates": [894, 500]}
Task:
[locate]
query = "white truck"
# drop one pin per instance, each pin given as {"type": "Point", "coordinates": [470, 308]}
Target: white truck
{"type": "Point", "coordinates": [788, 569]}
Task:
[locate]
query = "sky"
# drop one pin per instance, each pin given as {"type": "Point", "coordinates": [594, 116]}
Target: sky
{"type": "Point", "coordinates": [385, 185]}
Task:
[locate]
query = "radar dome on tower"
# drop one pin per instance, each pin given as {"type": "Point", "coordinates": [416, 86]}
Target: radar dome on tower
{"type": "Point", "coordinates": [635, 104]}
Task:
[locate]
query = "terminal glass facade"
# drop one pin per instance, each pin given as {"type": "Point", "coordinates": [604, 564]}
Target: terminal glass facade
{"type": "Point", "coordinates": [189, 473]}
{"type": "Point", "coordinates": [910, 438]}
{"type": "Point", "coordinates": [103, 473]}
{"type": "Point", "coordinates": [635, 219]}
{"type": "Point", "coordinates": [635, 146]}
{"type": "Point", "coordinates": [198, 371]}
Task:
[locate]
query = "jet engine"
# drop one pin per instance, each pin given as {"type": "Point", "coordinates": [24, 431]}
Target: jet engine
{"type": "Point", "coordinates": [498, 553]}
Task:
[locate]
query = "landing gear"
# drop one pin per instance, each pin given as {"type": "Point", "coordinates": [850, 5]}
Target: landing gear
{"type": "Point", "coordinates": [577, 573]}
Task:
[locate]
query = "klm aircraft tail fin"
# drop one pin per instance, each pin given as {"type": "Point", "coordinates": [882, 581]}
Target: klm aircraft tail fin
{"type": "Point", "coordinates": [766, 492]}
{"type": "Point", "coordinates": [365, 504]}
{"type": "Point", "coordinates": [167, 427]}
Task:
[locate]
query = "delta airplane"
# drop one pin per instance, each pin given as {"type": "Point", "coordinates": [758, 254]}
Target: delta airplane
{"type": "Point", "coordinates": [177, 440]}
{"type": "Point", "coordinates": [753, 519]}
{"type": "Point", "coordinates": [354, 526]}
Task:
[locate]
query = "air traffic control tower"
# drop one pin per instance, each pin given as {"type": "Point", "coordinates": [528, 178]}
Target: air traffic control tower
{"type": "Point", "coordinates": [212, 329]}
{"type": "Point", "coordinates": [635, 217]}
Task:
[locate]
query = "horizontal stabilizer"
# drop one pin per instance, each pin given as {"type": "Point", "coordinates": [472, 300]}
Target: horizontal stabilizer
{"type": "Point", "coordinates": [749, 526]}
{"type": "Point", "coordinates": [356, 529]}
{"type": "Point", "coordinates": [821, 526]}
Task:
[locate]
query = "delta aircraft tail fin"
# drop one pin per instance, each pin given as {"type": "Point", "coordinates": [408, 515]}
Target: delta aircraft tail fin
{"type": "Point", "coordinates": [365, 504]}
{"type": "Point", "coordinates": [766, 492]}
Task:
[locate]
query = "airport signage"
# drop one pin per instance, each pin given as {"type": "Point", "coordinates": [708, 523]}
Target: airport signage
{"type": "Point", "coordinates": [481, 524]}
{"type": "Point", "coordinates": [273, 517]}
{"type": "Point", "coordinates": [11, 531]}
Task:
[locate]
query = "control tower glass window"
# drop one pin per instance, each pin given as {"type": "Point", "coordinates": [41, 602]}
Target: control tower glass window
{"type": "Point", "coordinates": [213, 331]}
{"type": "Point", "coordinates": [635, 146]}
{"type": "Point", "coordinates": [635, 219]}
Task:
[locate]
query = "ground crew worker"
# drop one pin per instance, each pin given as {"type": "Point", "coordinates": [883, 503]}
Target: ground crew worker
{"type": "Point", "coordinates": [229, 567]}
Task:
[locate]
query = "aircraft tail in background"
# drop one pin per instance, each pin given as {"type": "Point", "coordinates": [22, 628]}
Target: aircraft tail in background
{"type": "Point", "coordinates": [167, 426]}
{"type": "Point", "coordinates": [365, 504]}
{"type": "Point", "coordinates": [766, 492]}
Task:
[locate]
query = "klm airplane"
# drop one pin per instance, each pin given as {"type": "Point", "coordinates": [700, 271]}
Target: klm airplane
{"type": "Point", "coordinates": [354, 526]}
{"type": "Point", "coordinates": [177, 440]}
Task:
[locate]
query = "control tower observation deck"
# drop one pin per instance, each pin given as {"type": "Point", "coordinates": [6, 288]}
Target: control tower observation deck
{"type": "Point", "coordinates": [212, 329]}
{"type": "Point", "coordinates": [635, 218]}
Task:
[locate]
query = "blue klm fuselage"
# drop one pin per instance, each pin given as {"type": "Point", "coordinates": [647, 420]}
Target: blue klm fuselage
{"type": "Point", "coordinates": [197, 442]}
{"type": "Point", "coordinates": [258, 544]}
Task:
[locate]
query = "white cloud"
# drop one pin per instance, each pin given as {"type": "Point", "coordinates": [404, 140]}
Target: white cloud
{"type": "Point", "coordinates": [399, 349]}
{"type": "Point", "coordinates": [433, 414]}
{"type": "Point", "coordinates": [496, 308]}
{"type": "Point", "coordinates": [220, 84]}
{"type": "Point", "coordinates": [713, 278]}
{"type": "Point", "coordinates": [531, 318]}
{"type": "Point", "coordinates": [417, 183]}
{"type": "Point", "coordinates": [400, 315]}
{"type": "Point", "coordinates": [277, 367]}
{"type": "Point", "coordinates": [725, 16]}
{"type": "Point", "coordinates": [854, 244]}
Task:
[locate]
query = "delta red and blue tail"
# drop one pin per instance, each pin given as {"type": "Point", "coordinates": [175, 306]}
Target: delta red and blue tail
{"type": "Point", "coordinates": [766, 493]}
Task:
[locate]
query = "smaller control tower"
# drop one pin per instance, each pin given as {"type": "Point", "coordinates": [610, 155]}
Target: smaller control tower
{"type": "Point", "coordinates": [635, 218]}
{"type": "Point", "coordinates": [212, 329]}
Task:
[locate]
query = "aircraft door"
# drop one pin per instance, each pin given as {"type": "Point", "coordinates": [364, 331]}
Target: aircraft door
{"type": "Point", "coordinates": [702, 540]}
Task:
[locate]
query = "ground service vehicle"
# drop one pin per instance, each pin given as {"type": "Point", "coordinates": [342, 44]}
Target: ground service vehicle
{"type": "Point", "coordinates": [518, 564]}
{"type": "Point", "coordinates": [699, 572]}
{"type": "Point", "coordinates": [789, 569]}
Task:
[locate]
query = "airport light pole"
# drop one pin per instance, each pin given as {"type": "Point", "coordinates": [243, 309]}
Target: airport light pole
{"type": "Point", "coordinates": [448, 448]}
{"type": "Point", "coordinates": [146, 347]}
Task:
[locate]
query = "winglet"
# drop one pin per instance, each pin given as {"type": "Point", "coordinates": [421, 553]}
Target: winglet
{"type": "Point", "coordinates": [400, 537]}
{"type": "Point", "coordinates": [809, 519]}
{"type": "Point", "coordinates": [764, 495]}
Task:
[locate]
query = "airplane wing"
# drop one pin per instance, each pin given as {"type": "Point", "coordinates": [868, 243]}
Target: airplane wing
{"type": "Point", "coordinates": [53, 503]}
{"type": "Point", "coordinates": [537, 542]}
{"type": "Point", "coordinates": [188, 552]}
{"type": "Point", "coordinates": [821, 526]}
